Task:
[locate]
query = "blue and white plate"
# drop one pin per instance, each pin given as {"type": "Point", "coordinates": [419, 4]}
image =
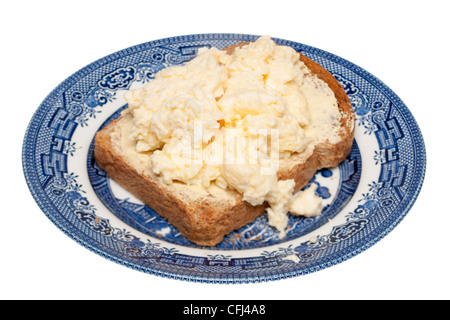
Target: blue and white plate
{"type": "Point", "coordinates": [366, 196]}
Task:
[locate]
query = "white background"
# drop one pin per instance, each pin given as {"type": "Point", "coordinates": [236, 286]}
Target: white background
{"type": "Point", "coordinates": [403, 43]}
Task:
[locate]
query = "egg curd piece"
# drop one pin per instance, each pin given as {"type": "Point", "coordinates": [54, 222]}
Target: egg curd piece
{"type": "Point", "coordinates": [183, 116]}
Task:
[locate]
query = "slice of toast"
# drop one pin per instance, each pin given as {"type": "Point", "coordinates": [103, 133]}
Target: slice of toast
{"type": "Point", "coordinates": [206, 216]}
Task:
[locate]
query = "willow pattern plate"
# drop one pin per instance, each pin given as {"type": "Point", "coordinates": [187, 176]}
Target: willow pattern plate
{"type": "Point", "coordinates": [366, 196]}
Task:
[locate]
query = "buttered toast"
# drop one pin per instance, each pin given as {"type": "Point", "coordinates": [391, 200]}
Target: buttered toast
{"type": "Point", "coordinates": [206, 215]}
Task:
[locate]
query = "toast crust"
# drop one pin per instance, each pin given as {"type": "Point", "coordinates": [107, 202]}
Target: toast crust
{"type": "Point", "coordinates": [206, 219]}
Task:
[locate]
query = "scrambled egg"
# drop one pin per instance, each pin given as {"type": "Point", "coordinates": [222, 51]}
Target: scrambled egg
{"type": "Point", "coordinates": [228, 119]}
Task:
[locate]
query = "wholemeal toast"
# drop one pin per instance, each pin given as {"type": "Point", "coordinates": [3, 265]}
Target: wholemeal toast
{"type": "Point", "coordinates": [205, 216]}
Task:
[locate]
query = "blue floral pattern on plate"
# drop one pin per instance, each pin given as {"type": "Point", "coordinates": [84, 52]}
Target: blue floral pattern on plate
{"type": "Point", "coordinates": [366, 196]}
